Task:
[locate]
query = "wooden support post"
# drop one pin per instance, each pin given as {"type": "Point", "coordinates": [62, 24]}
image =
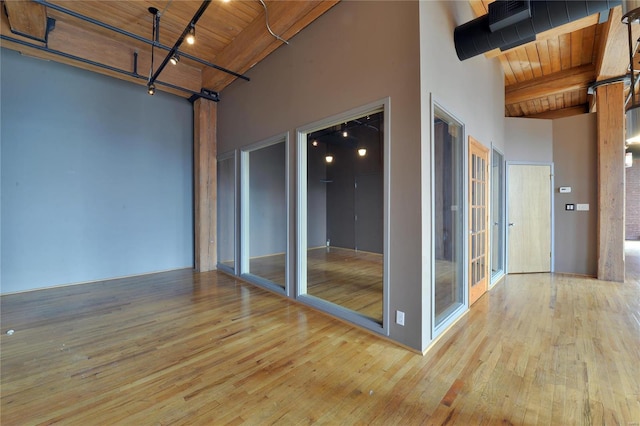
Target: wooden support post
{"type": "Point", "coordinates": [610, 113]}
{"type": "Point", "coordinates": [205, 182]}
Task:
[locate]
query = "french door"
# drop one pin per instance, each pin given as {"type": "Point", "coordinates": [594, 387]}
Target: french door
{"type": "Point", "coordinates": [478, 219]}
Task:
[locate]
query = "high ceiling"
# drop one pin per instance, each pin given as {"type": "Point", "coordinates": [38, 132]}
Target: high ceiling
{"type": "Point", "coordinates": [232, 35]}
{"type": "Point", "coordinates": [549, 78]}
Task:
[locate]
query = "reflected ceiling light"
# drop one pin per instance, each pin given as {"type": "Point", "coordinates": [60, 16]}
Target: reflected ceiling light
{"type": "Point", "coordinates": [191, 37]}
{"type": "Point", "coordinates": [345, 134]}
{"type": "Point", "coordinates": [314, 143]}
{"type": "Point", "coordinates": [362, 152]}
{"type": "Point", "coordinates": [151, 89]}
{"type": "Point", "coordinates": [329, 158]}
{"type": "Point", "coordinates": [174, 59]}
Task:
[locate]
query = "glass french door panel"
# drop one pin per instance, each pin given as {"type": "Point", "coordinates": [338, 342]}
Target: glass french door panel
{"type": "Point", "coordinates": [267, 213]}
{"type": "Point", "coordinates": [448, 166]}
{"type": "Point", "coordinates": [497, 213]}
{"type": "Point", "coordinates": [226, 217]}
{"type": "Point", "coordinates": [345, 220]}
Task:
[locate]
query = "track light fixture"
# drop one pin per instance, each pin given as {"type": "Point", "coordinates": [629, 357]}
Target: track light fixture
{"type": "Point", "coordinates": [174, 59]}
{"type": "Point", "coordinates": [151, 89]}
{"type": "Point", "coordinates": [191, 37]}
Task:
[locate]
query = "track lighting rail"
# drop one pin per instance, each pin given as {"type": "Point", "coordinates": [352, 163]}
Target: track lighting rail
{"type": "Point", "coordinates": [188, 31]}
{"type": "Point", "coordinates": [204, 93]}
{"type": "Point", "coordinates": [137, 37]}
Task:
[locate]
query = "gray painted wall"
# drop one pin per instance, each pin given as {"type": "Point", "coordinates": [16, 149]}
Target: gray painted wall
{"type": "Point", "coordinates": [528, 139]}
{"type": "Point", "coordinates": [96, 176]}
{"type": "Point", "coordinates": [338, 63]}
{"type": "Point", "coordinates": [575, 165]}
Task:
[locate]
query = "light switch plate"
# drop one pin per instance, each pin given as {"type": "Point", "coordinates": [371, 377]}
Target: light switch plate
{"type": "Point", "coordinates": [582, 207]}
{"type": "Point", "coordinates": [565, 189]}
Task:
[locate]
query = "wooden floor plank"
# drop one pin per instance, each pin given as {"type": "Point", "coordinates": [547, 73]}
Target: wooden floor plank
{"type": "Point", "coordinates": [205, 348]}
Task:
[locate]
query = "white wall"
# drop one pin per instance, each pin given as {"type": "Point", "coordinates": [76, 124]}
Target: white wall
{"type": "Point", "coordinates": [472, 90]}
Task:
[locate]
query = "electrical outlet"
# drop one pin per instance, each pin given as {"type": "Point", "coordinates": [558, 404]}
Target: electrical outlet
{"type": "Point", "coordinates": [570, 207]}
{"type": "Point", "coordinates": [399, 317]}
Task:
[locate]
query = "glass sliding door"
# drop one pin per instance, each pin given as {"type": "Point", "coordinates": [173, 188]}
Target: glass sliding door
{"type": "Point", "coordinates": [342, 216]}
{"type": "Point", "coordinates": [448, 217]}
{"type": "Point", "coordinates": [264, 214]}
{"type": "Point", "coordinates": [497, 215]}
{"type": "Point", "coordinates": [226, 212]}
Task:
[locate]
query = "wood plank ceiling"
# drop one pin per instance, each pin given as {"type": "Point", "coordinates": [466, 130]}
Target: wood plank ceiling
{"type": "Point", "coordinates": [230, 34]}
{"type": "Point", "coordinates": [549, 78]}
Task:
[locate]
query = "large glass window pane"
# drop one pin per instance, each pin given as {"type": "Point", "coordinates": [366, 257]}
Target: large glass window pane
{"type": "Point", "coordinates": [226, 213]}
{"type": "Point", "coordinates": [345, 204]}
{"type": "Point", "coordinates": [265, 213]}
{"type": "Point", "coordinates": [448, 166]}
{"type": "Point", "coordinates": [497, 214]}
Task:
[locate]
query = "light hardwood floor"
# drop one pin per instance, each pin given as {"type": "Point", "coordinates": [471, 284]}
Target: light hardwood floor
{"type": "Point", "coordinates": [188, 348]}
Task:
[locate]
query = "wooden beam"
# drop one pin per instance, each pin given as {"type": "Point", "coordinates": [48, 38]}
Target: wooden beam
{"type": "Point", "coordinates": [613, 52]}
{"type": "Point", "coordinates": [561, 113]}
{"type": "Point", "coordinates": [286, 19]}
{"type": "Point", "coordinates": [27, 18]}
{"type": "Point", "coordinates": [611, 175]}
{"type": "Point", "coordinates": [99, 48]}
{"type": "Point", "coordinates": [552, 84]}
{"type": "Point", "coordinates": [205, 182]}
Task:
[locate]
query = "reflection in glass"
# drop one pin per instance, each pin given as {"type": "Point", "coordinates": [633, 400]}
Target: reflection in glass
{"type": "Point", "coordinates": [497, 213]}
{"type": "Point", "coordinates": [448, 166]}
{"type": "Point", "coordinates": [226, 213]}
{"type": "Point", "coordinates": [345, 199]}
{"type": "Point", "coordinates": [265, 207]}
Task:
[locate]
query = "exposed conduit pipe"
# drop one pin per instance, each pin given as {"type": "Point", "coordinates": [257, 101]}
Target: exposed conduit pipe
{"type": "Point", "coordinates": [475, 37]}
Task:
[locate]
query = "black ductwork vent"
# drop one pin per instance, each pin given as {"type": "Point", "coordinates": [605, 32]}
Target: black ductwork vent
{"type": "Point", "coordinates": [508, 12]}
{"type": "Point", "coordinates": [475, 37]}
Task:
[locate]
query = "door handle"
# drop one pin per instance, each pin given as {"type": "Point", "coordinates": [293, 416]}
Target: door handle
{"type": "Point", "coordinates": [510, 223]}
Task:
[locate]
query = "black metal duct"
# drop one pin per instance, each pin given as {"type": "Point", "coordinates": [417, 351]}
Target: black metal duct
{"type": "Point", "coordinates": [475, 37]}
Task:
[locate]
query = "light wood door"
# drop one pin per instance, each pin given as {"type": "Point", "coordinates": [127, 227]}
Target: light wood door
{"type": "Point", "coordinates": [529, 201]}
{"type": "Point", "coordinates": [478, 219]}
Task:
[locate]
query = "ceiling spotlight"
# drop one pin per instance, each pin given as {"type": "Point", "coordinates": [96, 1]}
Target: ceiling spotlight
{"type": "Point", "coordinates": [174, 59]}
{"type": "Point", "coordinates": [151, 89]}
{"type": "Point", "coordinates": [314, 143]}
{"type": "Point", "coordinates": [362, 152]}
{"type": "Point", "coordinates": [191, 37]}
{"type": "Point", "coordinates": [329, 158]}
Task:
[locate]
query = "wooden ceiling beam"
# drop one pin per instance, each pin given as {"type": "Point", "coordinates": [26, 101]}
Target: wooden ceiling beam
{"type": "Point", "coordinates": [27, 19]}
{"type": "Point", "coordinates": [613, 53]}
{"type": "Point", "coordinates": [255, 43]}
{"type": "Point", "coordinates": [552, 84]}
{"type": "Point", "coordinates": [561, 113]}
{"type": "Point", "coordinates": [104, 50]}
